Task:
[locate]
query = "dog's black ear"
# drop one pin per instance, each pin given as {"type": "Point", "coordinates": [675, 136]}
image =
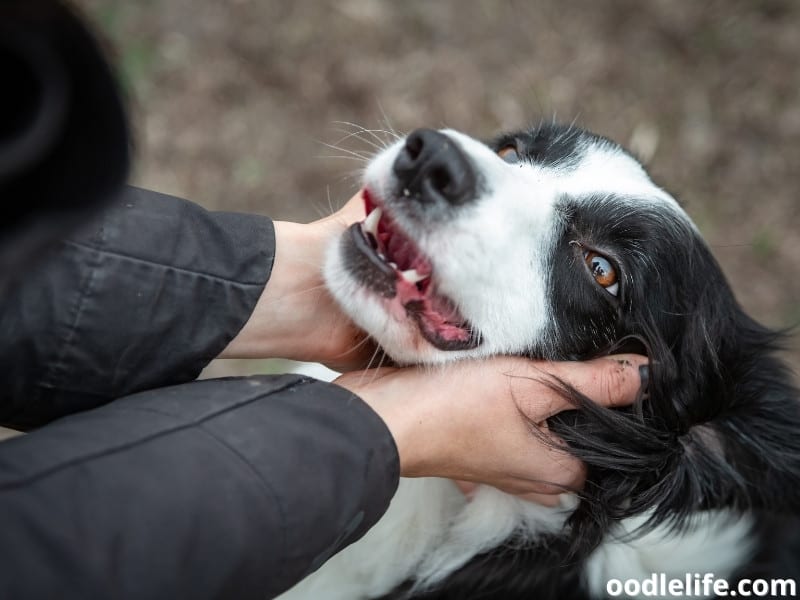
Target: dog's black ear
{"type": "Point", "coordinates": [727, 398]}
{"type": "Point", "coordinates": [746, 453]}
{"type": "Point", "coordinates": [719, 428]}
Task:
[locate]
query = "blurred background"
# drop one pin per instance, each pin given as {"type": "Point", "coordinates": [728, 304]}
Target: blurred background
{"type": "Point", "coordinates": [261, 105]}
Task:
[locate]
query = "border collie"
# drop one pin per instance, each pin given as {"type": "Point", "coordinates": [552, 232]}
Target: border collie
{"type": "Point", "coordinates": [553, 243]}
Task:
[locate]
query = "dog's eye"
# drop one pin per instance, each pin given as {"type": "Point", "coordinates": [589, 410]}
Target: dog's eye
{"type": "Point", "coordinates": [602, 271]}
{"type": "Point", "coordinates": [509, 154]}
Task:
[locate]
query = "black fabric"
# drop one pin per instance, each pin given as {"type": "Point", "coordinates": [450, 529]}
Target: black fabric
{"type": "Point", "coordinates": [143, 297]}
{"type": "Point", "coordinates": [231, 488]}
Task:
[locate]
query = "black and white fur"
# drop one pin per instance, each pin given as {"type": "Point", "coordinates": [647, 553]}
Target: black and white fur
{"type": "Point", "coordinates": [701, 475]}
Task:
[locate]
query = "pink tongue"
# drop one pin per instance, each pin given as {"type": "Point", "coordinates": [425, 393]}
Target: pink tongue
{"type": "Point", "coordinates": [440, 315]}
{"type": "Point", "coordinates": [435, 313]}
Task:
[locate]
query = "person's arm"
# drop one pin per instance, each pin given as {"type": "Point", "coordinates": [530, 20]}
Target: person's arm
{"type": "Point", "coordinates": [238, 488]}
{"type": "Point", "coordinates": [296, 317]}
{"type": "Point", "coordinates": [232, 488]}
{"type": "Point", "coordinates": [485, 422]}
{"type": "Point", "coordinates": [144, 296]}
{"type": "Point", "coordinates": [154, 289]}
{"type": "Point", "coordinates": [161, 493]}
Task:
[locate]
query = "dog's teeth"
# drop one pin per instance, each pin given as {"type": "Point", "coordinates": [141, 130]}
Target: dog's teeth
{"type": "Point", "coordinates": [393, 265]}
{"type": "Point", "coordinates": [411, 276]}
{"type": "Point", "coordinates": [371, 222]}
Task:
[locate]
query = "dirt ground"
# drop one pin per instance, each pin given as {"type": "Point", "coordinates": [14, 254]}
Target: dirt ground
{"type": "Point", "coordinates": [255, 105]}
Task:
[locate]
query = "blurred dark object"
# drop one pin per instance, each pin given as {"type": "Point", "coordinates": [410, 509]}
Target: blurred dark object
{"type": "Point", "coordinates": [64, 138]}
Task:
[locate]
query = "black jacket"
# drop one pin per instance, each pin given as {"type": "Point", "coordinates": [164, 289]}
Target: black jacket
{"type": "Point", "coordinates": [231, 488]}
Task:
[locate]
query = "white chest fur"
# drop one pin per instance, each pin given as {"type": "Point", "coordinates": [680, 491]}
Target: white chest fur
{"type": "Point", "coordinates": [430, 530]}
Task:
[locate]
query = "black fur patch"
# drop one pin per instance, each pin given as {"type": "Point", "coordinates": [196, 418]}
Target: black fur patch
{"type": "Point", "coordinates": [720, 427]}
{"type": "Point", "coordinates": [551, 144]}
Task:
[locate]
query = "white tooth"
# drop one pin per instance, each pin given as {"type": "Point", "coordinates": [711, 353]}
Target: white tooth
{"type": "Point", "coordinates": [393, 265]}
{"type": "Point", "coordinates": [411, 276]}
{"type": "Point", "coordinates": [371, 222]}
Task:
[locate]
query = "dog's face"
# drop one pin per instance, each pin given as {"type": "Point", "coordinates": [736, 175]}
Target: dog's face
{"type": "Point", "coordinates": [554, 243]}
{"type": "Point", "coordinates": [533, 244]}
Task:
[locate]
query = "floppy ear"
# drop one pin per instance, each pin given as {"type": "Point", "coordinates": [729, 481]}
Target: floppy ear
{"type": "Point", "coordinates": [747, 455]}
{"type": "Point", "coordinates": [731, 404]}
{"type": "Point", "coordinates": [719, 427]}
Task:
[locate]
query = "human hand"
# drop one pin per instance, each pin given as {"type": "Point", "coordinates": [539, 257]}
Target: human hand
{"type": "Point", "coordinates": [296, 317]}
{"type": "Point", "coordinates": [485, 421]}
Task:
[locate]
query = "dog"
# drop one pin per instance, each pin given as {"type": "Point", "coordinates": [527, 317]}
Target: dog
{"type": "Point", "coordinates": [554, 243]}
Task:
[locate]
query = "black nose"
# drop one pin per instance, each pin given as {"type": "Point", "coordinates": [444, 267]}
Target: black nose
{"type": "Point", "coordinates": [431, 167]}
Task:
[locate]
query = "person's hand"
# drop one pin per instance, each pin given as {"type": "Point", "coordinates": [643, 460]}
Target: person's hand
{"type": "Point", "coordinates": [474, 421]}
{"type": "Point", "coordinates": [296, 317]}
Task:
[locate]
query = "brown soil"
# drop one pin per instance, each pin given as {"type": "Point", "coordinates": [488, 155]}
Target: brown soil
{"type": "Point", "coordinates": [237, 102]}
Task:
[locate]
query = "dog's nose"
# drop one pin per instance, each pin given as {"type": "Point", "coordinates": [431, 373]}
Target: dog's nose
{"type": "Point", "coordinates": [432, 167]}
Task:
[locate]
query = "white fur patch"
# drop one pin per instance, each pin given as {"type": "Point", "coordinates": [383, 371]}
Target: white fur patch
{"type": "Point", "coordinates": [413, 527]}
{"type": "Point", "coordinates": [717, 543]}
{"type": "Point", "coordinates": [429, 531]}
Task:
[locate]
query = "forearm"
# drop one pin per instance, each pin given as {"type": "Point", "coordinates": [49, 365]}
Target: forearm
{"type": "Point", "coordinates": [143, 297]}
{"type": "Point", "coordinates": [290, 319]}
{"type": "Point", "coordinates": [296, 317]}
{"type": "Point", "coordinates": [220, 488]}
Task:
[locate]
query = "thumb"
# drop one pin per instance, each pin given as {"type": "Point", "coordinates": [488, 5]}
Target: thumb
{"type": "Point", "coordinates": [610, 381]}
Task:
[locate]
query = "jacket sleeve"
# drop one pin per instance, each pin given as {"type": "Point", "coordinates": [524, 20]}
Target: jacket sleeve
{"type": "Point", "coordinates": [143, 297]}
{"type": "Point", "coordinates": [232, 488]}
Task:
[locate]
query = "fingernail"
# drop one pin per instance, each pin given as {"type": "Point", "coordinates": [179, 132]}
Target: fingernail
{"type": "Point", "coordinates": [644, 376]}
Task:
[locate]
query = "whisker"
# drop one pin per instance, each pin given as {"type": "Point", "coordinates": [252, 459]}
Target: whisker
{"type": "Point", "coordinates": [392, 131]}
{"type": "Point", "coordinates": [297, 293]}
{"type": "Point", "coordinates": [369, 366]}
{"type": "Point", "coordinates": [355, 347]}
{"type": "Point", "coordinates": [330, 203]}
{"type": "Point", "coordinates": [360, 159]}
{"type": "Point", "coordinates": [380, 364]}
{"type": "Point", "coordinates": [359, 136]}
{"type": "Point", "coordinates": [359, 155]}
{"type": "Point", "coordinates": [381, 143]}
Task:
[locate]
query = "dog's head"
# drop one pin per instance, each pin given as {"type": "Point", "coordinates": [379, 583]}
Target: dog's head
{"type": "Point", "coordinates": [540, 243]}
{"type": "Point", "coordinates": [555, 243]}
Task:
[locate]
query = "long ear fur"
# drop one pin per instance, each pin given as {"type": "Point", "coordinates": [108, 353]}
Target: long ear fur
{"type": "Point", "coordinates": [720, 428]}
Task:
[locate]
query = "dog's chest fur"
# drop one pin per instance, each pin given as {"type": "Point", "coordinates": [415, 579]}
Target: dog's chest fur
{"type": "Point", "coordinates": [430, 532]}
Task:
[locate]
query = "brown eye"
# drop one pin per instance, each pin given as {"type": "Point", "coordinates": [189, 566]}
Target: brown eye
{"type": "Point", "coordinates": [509, 154]}
{"type": "Point", "coordinates": [603, 271]}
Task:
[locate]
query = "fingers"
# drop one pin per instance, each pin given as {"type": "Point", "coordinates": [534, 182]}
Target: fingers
{"type": "Point", "coordinates": [613, 380]}
{"type": "Point", "coordinates": [560, 472]}
{"type": "Point", "coordinates": [568, 476]}
{"type": "Point", "coordinates": [547, 472]}
{"type": "Point", "coordinates": [473, 421]}
{"type": "Point", "coordinates": [469, 488]}
{"type": "Point", "coordinates": [551, 500]}
{"type": "Point", "coordinates": [610, 381]}
{"type": "Point", "coordinates": [352, 212]}
{"type": "Point", "coordinates": [359, 351]}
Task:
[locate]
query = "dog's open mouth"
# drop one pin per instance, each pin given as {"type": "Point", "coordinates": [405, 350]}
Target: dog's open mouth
{"type": "Point", "coordinates": [387, 261]}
